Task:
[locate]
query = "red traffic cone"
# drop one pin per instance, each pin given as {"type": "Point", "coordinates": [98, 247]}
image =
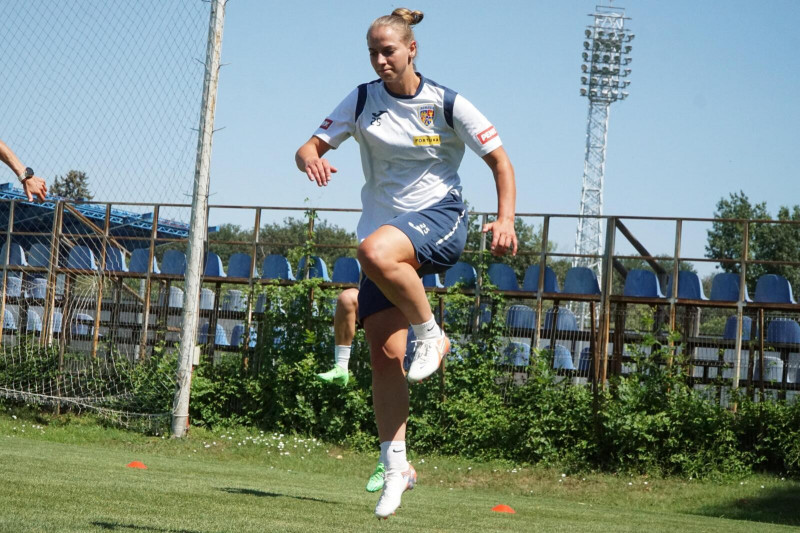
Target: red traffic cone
{"type": "Point", "coordinates": [137, 464]}
{"type": "Point", "coordinates": [503, 508]}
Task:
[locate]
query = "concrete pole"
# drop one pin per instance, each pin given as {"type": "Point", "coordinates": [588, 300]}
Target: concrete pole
{"type": "Point", "coordinates": [198, 224]}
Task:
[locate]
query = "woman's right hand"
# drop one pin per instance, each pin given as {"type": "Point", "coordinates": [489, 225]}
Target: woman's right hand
{"type": "Point", "coordinates": [319, 169]}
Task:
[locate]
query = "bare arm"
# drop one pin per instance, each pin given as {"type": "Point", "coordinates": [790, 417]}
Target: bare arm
{"type": "Point", "coordinates": [309, 160]}
{"type": "Point", "coordinates": [33, 185]}
{"type": "Point", "coordinates": [504, 238]}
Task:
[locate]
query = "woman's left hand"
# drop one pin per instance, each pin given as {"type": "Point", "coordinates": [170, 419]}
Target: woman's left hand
{"type": "Point", "coordinates": [504, 238]}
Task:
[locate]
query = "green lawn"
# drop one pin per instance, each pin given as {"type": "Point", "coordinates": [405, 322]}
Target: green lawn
{"type": "Point", "coordinates": [72, 476]}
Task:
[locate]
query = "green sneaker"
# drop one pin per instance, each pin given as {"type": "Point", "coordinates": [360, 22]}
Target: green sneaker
{"type": "Point", "coordinates": [337, 375]}
{"type": "Point", "coordinates": [375, 482]}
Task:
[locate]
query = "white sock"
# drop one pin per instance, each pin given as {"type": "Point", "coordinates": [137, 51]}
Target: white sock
{"type": "Point", "coordinates": [427, 330]}
{"type": "Point", "coordinates": [394, 453]}
{"type": "Point", "coordinates": [342, 356]}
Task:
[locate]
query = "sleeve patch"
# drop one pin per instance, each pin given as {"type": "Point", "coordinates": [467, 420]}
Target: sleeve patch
{"type": "Point", "coordinates": [487, 135]}
{"type": "Point", "coordinates": [326, 124]}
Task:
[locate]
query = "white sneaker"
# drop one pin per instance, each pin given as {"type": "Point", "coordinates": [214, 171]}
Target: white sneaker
{"type": "Point", "coordinates": [428, 355]}
{"type": "Point", "coordinates": [394, 485]}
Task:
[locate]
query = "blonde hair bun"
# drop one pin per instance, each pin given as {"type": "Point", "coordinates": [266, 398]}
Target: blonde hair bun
{"type": "Point", "coordinates": [411, 17]}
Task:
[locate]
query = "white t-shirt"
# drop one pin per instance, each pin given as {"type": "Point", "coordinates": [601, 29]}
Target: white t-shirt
{"type": "Point", "coordinates": [411, 146]}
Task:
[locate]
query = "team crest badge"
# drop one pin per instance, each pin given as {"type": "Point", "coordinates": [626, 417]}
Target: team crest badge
{"type": "Point", "coordinates": [426, 114]}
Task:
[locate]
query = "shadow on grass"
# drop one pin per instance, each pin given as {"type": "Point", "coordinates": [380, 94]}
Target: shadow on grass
{"type": "Point", "coordinates": [774, 506]}
{"type": "Point", "coordinates": [262, 494]}
{"type": "Point", "coordinates": [115, 526]}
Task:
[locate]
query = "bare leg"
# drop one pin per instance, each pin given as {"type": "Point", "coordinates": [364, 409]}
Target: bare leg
{"type": "Point", "coordinates": [388, 259]}
{"type": "Point", "coordinates": [344, 321]}
{"type": "Point", "coordinates": [386, 333]}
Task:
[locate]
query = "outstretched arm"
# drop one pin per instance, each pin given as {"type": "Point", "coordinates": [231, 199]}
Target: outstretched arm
{"type": "Point", "coordinates": [504, 237]}
{"type": "Point", "coordinates": [309, 160]}
{"type": "Point", "coordinates": [33, 185]}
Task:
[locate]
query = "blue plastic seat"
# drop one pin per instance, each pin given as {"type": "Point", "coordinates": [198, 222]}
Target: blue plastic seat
{"type": "Point", "coordinates": [431, 281]}
{"type": "Point", "coordinates": [520, 320]}
{"type": "Point", "coordinates": [562, 358]}
{"type": "Point", "coordinates": [566, 320]}
{"type": "Point", "coordinates": [233, 301]}
{"type": "Point", "coordinates": [774, 289]}
{"type": "Point", "coordinates": [317, 268]}
{"type": "Point", "coordinates": [503, 277]}
{"type": "Point", "coordinates": [14, 286]}
{"type": "Point", "coordinates": [237, 336]}
{"type": "Point", "coordinates": [581, 280]}
{"type": "Point", "coordinates": [239, 266]}
{"type": "Point", "coordinates": [214, 268]}
{"type": "Point", "coordinates": [346, 270]}
{"type": "Point", "coordinates": [689, 286]}
{"type": "Point", "coordinates": [82, 324]}
{"type": "Point", "coordinates": [139, 261]}
{"type": "Point", "coordinates": [38, 288]}
{"type": "Point", "coordinates": [773, 365]}
{"type": "Point", "coordinates": [642, 284]}
{"type": "Point", "coordinates": [531, 280]}
{"type": "Point", "coordinates": [725, 288]}
{"type": "Point", "coordinates": [34, 321]}
{"type": "Point", "coordinates": [220, 337]}
{"type": "Point", "coordinates": [730, 328]}
{"type": "Point", "coordinates": [174, 263]}
{"type": "Point", "coordinates": [206, 299]}
{"type": "Point", "coordinates": [783, 330]}
{"type": "Point", "coordinates": [82, 258]}
{"type": "Point", "coordinates": [585, 360]}
{"type": "Point", "coordinates": [175, 298]}
{"type": "Point", "coordinates": [9, 321]}
{"type": "Point", "coordinates": [517, 353]}
{"type": "Point", "coordinates": [276, 266]}
{"type": "Point", "coordinates": [115, 260]}
{"type": "Point", "coordinates": [461, 272]}
{"type": "Point", "coordinates": [39, 255]}
{"type": "Point", "coordinates": [16, 255]}
{"type": "Point", "coordinates": [58, 319]}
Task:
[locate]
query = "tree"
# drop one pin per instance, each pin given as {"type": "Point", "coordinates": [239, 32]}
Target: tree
{"type": "Point", "coordinates": [768, 241]}
{"type": "Point", "coordinates": [73, 186]}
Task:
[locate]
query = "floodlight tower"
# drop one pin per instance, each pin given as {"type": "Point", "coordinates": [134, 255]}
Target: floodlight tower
{"type": "Point", "coordinates": [606, 57]}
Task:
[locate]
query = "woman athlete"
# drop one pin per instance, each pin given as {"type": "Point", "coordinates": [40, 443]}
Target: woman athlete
{"type": "Point", "coordinates": [412, 132]}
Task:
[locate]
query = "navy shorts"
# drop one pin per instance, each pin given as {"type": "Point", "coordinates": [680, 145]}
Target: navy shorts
{"type": "Point", "coordinates": [438, 234]}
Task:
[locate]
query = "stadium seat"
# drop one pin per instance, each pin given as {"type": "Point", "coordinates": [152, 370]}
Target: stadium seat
{"type": "Point", "coordinates": [517, 353]}
{"type": "Point", "coordinates": [237, 336]}
{"type": "Point", "coordinates": [689, 286]}
{"type": "Point", "coordinates": [530, 282]}
{"type": "Point", "coordinates": [220, 337]}
{"type": "Point", "coordinates": [503, 277]}
{"type": "Point", "coordinates": [38, 288]}
{"type": "Point", "coordinates": [206, 299]}
{"type": "Point", "coordinates": [520, 320]}
{"type": "Point", "coordinates": [585, 360]}
{"type": "Point", "coordinates": [581, 280]}
{"type": "Point", "coordinates": [175, 298]}
{"type": "Point", "coordinates": [58, 319]}
{"type": "Point", "coordinates": [82, 324]}
{"type": "Point", "coordinates": [39, 255]}
{"type": "Point", "coordinates": [81, 258]}
{"type": "Point", "coordinates": [115, 260]}
{"type": "Point", "coordinates": [233, 301]}
{"type": "Point", "coordinates": [461, 272]}
{"type": "Point", "coordinates": [276, 266]}
{"type": "Point", "coordinates": [774, 368]}
{"type": "Point", "coordinates": [14, 286]}
{"type": "Point", "coordinates": [34, 321]}
{"type": "Point", "coordinates": [431, 281]}
{"type": "Point", "coordinates": [139, 261]}
{"type": "Point", "coordinates": [730, 328]}
{"type": "Point", "coordinates": [16, 255]}
{"type": "Point", "coordinates": [774, 289]}
{"type": "Point", "coordinates": [783, 330]}
{"type": "Point", "coordinates": [9, 321]}
{"type": "Point", "coordinates": [725, 288]}
{"type": "Point", "coordinates": [562, 358]}
{"type": "Point", "coordinates": [346, 270]}
{"type": "Point", "coordinates": [566, 320]}
{"type": "Point", "coordinates": [317, 268]}
{"type": "Point", "coordinates": [174, 263]}
{"type": "Point", "coordinates": [239, 266]}
{"type": "Point", "coordinates": [642, 284]}
{"type": "Point", "coordinates": [214, 268]}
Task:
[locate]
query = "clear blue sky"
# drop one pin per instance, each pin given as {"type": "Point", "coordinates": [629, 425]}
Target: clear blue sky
{"type": "Point", "coordinates": [712, 108]}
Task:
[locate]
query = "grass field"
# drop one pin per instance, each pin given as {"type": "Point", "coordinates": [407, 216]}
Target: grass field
{"type": "Point", "coordinates": [71, 475]}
